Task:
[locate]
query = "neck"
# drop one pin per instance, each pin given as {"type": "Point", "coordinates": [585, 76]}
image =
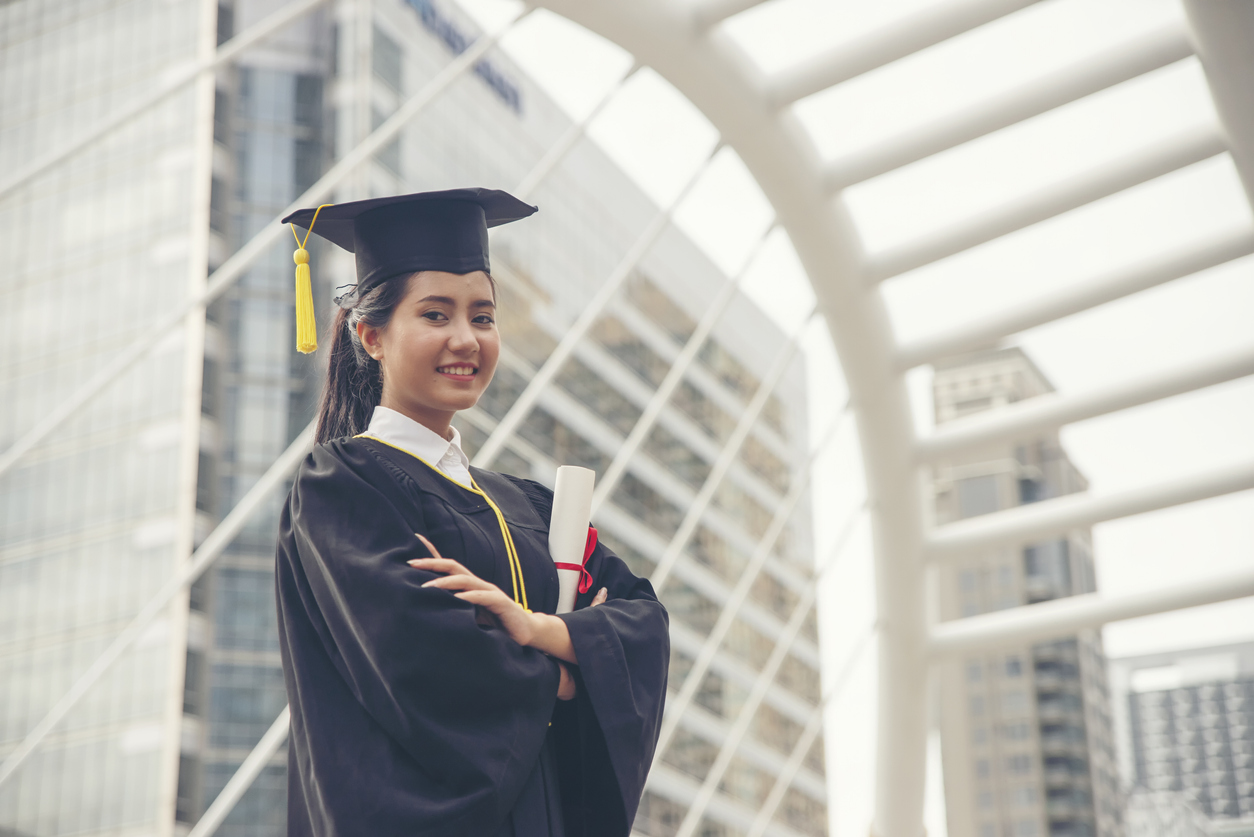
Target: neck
{"type": "Point", "coordinates": [437, 421]}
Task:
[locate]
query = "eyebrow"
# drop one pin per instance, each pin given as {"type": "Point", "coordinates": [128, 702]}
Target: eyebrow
{"type": "Point", "coordinates": [448, 300]}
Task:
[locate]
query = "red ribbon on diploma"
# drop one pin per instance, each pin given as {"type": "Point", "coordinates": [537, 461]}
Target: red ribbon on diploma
{"type": "Point", "coordinates": [585, 578]}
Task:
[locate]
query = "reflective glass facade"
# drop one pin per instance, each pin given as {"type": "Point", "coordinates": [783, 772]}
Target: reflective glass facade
{"type": "Point", "coordinates": [101, 512]}
{"type": "Point", "coordinates": [281, 116]}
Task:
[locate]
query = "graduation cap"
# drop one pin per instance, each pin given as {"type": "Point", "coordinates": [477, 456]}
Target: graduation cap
{"type": "Point", "coordinates": [400, 235]}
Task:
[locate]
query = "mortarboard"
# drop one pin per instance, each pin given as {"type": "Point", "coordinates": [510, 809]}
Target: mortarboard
{"type": "Point", "coordinates": [400, 235]}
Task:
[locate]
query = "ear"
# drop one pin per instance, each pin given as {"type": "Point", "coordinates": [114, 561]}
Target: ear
{"type": "Point", "coordinates": [370, 340]}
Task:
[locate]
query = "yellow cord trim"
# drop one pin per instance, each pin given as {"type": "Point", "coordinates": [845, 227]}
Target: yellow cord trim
{"type": "Point", "coordinates": [511, 552]}
{"type": "Point", "coordinates": [306, 321]}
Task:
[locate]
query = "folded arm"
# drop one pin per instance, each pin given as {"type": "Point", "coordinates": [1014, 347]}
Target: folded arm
{"type": "Point", "coordinates": [541, 631]}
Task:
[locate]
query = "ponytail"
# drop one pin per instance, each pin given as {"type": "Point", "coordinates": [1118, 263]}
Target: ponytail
{"type": "Point", "coordinates": [354, 383]}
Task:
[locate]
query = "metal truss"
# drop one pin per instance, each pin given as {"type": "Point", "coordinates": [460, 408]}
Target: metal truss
{"type": "Point", "coordinates": [574, 335]}
{"type": "Point", "coordinates": [503, 433]}
{"type": "Point", "coordinates": [726, 457]}
{"type": "Point", "coordinates": [234, 267]}
{"type": "Point", "coordinates": [225, 54]}
{"type": "Point", "coordinates": [684, 43]}
{"type": "Point", "coordinates": [285, 465]}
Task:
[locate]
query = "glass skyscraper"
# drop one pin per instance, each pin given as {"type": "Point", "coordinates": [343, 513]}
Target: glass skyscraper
{"type": "Point", "coordinates": [278, 119]}
{"type": "Point", "coordinates": [98, 515]}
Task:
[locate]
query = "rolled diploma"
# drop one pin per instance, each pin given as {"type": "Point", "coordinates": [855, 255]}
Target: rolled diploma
{"type": "Point", "coordinates": [568, 530]}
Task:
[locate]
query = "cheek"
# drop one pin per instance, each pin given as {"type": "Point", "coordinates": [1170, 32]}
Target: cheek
{"type": "Point", "coordinates": [409, 349]}
{"type": "Point", "coordinates": [490, 351]}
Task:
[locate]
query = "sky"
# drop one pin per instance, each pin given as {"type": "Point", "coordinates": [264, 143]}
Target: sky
{"type": "Point", "coordinates": [658, 137]}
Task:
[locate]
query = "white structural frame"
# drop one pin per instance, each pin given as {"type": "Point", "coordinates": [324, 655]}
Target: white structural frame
{"type": "Point", "coordinates": [234, 267]}
{"type": "Point", "coordinates": [288, 461]}
{"type": "Point", "coordinates": [608, 481]}
{"type": "Point", "coordinates": [682, 42]}
{"type": "Point", "coordinates": [574, 335]}
{"type": "Point", "coordinates": [726, 458]}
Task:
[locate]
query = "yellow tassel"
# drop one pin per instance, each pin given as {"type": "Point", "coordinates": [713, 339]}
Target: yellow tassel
{"type": "Point", "coordinates": [306, 324]}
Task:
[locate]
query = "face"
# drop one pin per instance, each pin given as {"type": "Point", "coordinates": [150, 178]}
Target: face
{"type": "Point", "coordinates": [440, 348]}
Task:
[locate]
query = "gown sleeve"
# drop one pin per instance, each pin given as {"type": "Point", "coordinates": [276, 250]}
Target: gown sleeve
{"type": "Point", "coordinates": [607, 735]}
{"type": "Point", "coordinates": [408, 715]}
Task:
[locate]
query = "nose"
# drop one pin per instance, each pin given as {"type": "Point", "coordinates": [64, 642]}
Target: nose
{"type": "Point", "coordinates": [462, 338]}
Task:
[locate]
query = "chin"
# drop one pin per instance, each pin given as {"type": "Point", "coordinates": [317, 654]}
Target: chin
{"type": "Point", "coordinates": [464, 403]}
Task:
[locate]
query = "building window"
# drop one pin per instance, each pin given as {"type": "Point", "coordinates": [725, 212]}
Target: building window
{"type": "Point", "coordinates": [981, 768]}
{"type": "Point", "coordinates": [1014, 667]}
{"type": "Point", "coordinates": [977, 495]}
{"type": "Point", "coordinates": [1019, 764]}
{"type": "Point", "coordinates": [1025, 828]}
{"type": "Point", "coordinates": [1030, 491]}
{"type": "Point", "coordinates": [977, 705]}
{"type": "Point", "coordinates": [389, 156]}
{"type": "Point", "coordinates": [1014, 732]}
{"type": "Point", "coordinates": [386, 60]}
{"type": "Point", "coordinates": [975, 672]}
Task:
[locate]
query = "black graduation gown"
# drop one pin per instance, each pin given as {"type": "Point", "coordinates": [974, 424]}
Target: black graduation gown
{"type": "Point", "coordinates": [409, 717]}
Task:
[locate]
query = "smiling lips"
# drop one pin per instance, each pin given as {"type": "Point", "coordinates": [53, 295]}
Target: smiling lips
{"type": "Point", "coordinates": [460, 373]}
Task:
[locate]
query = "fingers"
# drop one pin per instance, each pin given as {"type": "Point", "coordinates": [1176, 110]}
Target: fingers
{"type": "Point", "coordinates": [600, 597]}
{"type": "Point", "coordinates": [439, 565]}
{"type": "Point", "coordinates": [435, 553]}
{"type": "Point", "coordinates": [566, 687]}
{"type": "Point", "coordinates": [483, 597]}
{"type": "Point", "coordinates": [460, 581]}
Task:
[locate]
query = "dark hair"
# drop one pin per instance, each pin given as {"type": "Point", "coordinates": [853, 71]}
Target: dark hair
{"type": "Point", "coordinates": [354, 383]}
{"type": "Point", "coordinates": [354, 379]}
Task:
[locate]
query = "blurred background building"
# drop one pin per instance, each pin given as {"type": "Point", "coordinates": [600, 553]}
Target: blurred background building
{"type": "Point", "coordinates": [280, 117]}
{"type": "Point", "coordinates": [1187, 727]}
{"type": "Point", "coordinates": [1026, 732]}
{"type": "Point", "coordinates": [983, 230]}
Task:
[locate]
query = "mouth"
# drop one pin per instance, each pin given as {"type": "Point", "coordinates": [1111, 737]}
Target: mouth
{"type": "Point", "coordinates": [458, 372]}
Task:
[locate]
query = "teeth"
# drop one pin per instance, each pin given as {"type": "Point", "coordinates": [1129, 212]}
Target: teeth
{"type": "Point", "coordinates": [457, 370]}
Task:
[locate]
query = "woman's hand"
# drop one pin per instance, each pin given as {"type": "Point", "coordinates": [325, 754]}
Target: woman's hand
{"type": "Point", "coordinates": [467, 586]}
{"type": "Point", "coordinates": [541, 631]}
{"type": "Point", "coordinates": [565, 685]}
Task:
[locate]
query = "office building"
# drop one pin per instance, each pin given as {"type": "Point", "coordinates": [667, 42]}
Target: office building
{"type": "Point", "coordinates": [1186, 729]}
{"type": "Point", "coordinates": [280, 116]}
{"type": "Point", "coordinates": [1026, 732]}
{"type": "Point", "coordinates": [1163, 814]}
{"type": "Point", "coordinates": [96, 517]}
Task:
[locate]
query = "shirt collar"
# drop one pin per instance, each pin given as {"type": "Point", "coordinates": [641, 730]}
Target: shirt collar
{"type": "Point", "coordinates": [423, 442]}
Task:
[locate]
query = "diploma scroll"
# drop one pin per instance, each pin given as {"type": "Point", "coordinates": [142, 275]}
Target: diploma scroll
{"type": "Point", "coordinates": [568, 529]}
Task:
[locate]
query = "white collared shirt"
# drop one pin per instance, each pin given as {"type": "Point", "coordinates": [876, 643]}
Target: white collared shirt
{"type": "Point", "coordinates": [403, 432]}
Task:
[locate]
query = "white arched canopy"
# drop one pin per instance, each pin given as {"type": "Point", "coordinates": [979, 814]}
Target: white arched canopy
{"type": "Point", "coordinates": [689, 45]}
{"type": "Point", "coordinates": [686, 44]}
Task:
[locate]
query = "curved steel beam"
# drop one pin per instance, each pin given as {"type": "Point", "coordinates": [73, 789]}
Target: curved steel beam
{"type": "Point", "coordinates": [1140, 56]}
{"type": "Point", "coordinates": [1033, 416]}
{"type": "Point", "coordinates": [1222, 32]}
{"type": "Point", "coordinates": [924, 28]}
{"type": "Point", "coordinates": [710, 70]}
{"type": "Point", "coordinates": [1062, 617]}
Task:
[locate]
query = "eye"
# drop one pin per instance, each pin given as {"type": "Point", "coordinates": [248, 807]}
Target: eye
{"type": "Point", "coordinates": [434, 316]}
{"type": "Point", "coordinates": [483, 319]}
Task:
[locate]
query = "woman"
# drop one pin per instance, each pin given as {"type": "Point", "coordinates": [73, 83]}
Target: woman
{"type": "Point", "coordinates": [432, 690]}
